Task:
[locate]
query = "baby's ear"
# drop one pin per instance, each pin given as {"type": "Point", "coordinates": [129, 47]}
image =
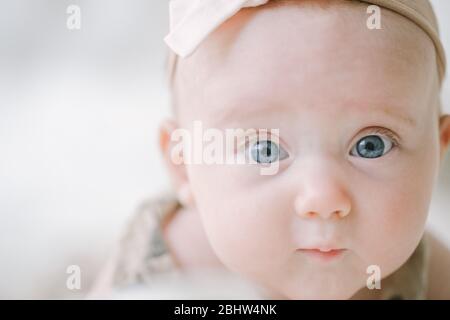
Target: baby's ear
{"type": "Point", "coordinates": [177, 170]}
{"type": "Point", "coordinates": [444, 134]}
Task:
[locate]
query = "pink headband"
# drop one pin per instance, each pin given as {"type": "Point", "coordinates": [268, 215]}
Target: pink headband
{"type": "Point", "coordinates": [191, 21]}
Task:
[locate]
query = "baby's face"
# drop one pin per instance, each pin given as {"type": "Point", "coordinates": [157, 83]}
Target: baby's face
{"type": "Point", "coordinates": [358, 128]}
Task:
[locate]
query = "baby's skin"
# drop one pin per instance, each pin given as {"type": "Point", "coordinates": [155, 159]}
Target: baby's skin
{"type": "Point", "coordinates": [313, 70]}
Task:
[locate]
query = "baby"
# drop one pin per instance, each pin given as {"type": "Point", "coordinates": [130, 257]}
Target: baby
{"type": "Point", "coordinates": [350, 113]}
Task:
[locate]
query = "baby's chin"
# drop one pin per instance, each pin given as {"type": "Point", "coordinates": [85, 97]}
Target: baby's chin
{"type": "Point", "coordinates": [336, 287]}
{"type": "Point", "coordinates": [318, 293]}
{"type": "Point", "coordinates": [325, 292]}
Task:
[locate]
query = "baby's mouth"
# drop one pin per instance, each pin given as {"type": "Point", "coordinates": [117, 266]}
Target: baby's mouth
{"type": "Point", "coordinates": [321, 254]}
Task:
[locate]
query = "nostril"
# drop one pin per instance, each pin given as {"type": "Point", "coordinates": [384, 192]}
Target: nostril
{"type": "Point", "coordinates": [310, 214]}
{"type": "Point", "coordinates": [336, 213]}
{"type": "Point", "coordinates": [340, 213]}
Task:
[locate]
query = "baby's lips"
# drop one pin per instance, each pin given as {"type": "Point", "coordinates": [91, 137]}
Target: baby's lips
{"type": "Point", "coordinates": [323, 254]}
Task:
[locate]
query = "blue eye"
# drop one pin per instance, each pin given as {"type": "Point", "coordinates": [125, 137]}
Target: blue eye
{"type": "Point", "coordinates": [267, 151]}
{"type": "Point", "coordinates": [372, 147]}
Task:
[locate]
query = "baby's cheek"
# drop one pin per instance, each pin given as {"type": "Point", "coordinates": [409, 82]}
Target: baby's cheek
{"type": "Point", "coordinates": [244, 237]}
{"type": "Point", "coordinates": [393, 219]}
{"type": "Point", "coordinates": [410, 198]}
{"type": "Point", "coordinates": [243, 229]}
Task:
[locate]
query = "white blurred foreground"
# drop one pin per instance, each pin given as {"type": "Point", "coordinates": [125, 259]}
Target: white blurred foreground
{"type": "Point", "coordinates": [199, 285]}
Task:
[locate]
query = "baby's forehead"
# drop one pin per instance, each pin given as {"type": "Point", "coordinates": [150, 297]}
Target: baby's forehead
{"type": "Point", "coordinates": [270, 51]}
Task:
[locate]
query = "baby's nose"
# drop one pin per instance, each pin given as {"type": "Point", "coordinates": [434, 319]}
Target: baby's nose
{"type": "Point", "coordinates": [325, 206]}
{"type": "Point", "coordinates": [322, 199]}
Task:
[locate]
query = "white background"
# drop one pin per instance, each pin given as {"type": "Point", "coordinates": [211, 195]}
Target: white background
{"type": "Point", "coordinates": [79, 112]}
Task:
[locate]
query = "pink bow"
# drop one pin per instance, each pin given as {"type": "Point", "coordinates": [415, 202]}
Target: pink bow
{"type": "Point", "coordinates": [191, 21]}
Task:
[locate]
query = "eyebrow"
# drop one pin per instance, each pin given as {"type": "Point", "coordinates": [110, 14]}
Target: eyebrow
{"type": "Point", "coordinates": [245, 111]}
{"type": "Point", "coordinates": [405, 119]}
{"type": "Point", "coordinates": [224, 116]}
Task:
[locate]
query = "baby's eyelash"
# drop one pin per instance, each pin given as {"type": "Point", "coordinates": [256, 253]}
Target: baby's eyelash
{"type": "Point", "coordinates": [259, 135]}
{"type": "Point", "coordinates": [388, 133]}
